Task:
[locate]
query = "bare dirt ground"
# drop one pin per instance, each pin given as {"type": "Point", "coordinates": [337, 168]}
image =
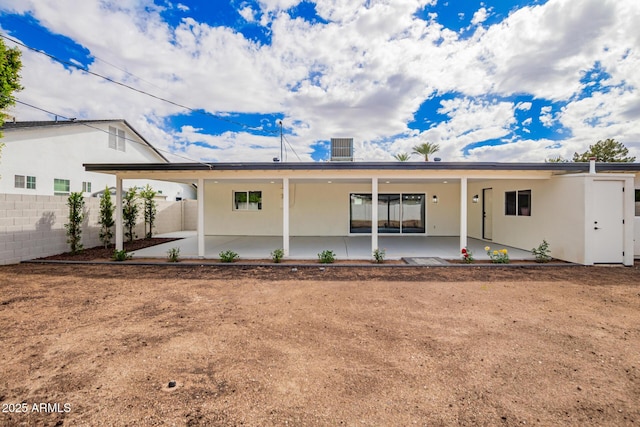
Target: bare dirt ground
{"type": "Point", "coordinates": [265, 345]}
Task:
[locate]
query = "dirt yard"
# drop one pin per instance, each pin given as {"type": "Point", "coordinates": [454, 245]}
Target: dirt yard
{"type": "Point", "coordinates": [98, 345]}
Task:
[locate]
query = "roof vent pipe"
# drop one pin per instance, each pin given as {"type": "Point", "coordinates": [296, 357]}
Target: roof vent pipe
{"type": "Point", "coordinates": [592, 165]}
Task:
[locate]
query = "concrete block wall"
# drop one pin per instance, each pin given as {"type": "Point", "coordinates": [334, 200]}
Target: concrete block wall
{"type": "Point", "coordinates": [33, 226]}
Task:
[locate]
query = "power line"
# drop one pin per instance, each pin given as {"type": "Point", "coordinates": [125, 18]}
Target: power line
{"type": "Point", "coordinates": [294, 151]}
{"type": "Point", "coordinates": [62, 40]}
{"type": "Point", "coordinates": [159, 98]}
{"type": "Point", "coordinates": [107, 132]}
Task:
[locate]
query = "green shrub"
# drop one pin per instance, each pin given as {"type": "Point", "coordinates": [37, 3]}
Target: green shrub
{"type": "Point", "coordinates": [173, 255]}
{"type": "Point", "coordinates": [497, 256]}
{"type": "Point", "coordinates": [326, 257]}
{"type": "Point", "coordinates": [130, 213]}
{"type": "Point", "coordinates": [149, 208]}
{"type": "Point", "coordinates": [467, 256]}
{"type": "Point", "coordinates": [120, 255]}
{"type": "Point", "coordinates": [228, 256]}
{"type": "Point", "coordinates": [74, 226]}
{"type": "Point", "coordinates": [378, 255]}
{"type": "Point", "coordinates": [277, 255]}
{"type": "Point", "coordinates": [106, 220]}
{"type": "Point", "coordinates": [542, 252]}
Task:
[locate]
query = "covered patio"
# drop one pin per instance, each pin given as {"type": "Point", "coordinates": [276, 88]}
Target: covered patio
{"type": "Point", "coordinates": [345, 247]}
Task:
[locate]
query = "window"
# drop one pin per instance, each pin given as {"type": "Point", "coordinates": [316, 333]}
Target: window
{"type": "Point", "coordinates": [116, 139]}
{"type": "Point", "coordinates": [31, 182]}
{"type": "Point", "coordinates": [61, 187]}
{"type": "Point", "coordinates": [517, 203]}
{"type": "Point", "coordinates": [247, 200]}
{"type": "Point", "coordinates": [360, 212]}
{"type": "Point", "coordinates": [637, 202]}
{"type": "Point", "coordinates": [86, 187]}
{"type": "Point", "coordinates": [397, 213]}
{"type": "Point", "coordinates": [19, 181]}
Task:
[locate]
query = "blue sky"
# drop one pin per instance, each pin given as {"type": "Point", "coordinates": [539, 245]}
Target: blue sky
{"type": "Point", "coordinates": [519, 80]}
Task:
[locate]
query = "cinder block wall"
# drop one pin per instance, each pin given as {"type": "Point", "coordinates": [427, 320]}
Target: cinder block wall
{"type": "Point", "coordinates": [33, 226]}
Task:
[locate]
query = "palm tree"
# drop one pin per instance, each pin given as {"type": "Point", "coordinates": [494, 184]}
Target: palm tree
{"type": "Point", "coordinates": [426, 149]}
{"type": "Point", "coordinates": [402, 157]}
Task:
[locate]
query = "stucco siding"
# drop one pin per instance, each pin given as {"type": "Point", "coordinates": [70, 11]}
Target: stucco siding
{"type": "Point", "coordinates": [48, 153]}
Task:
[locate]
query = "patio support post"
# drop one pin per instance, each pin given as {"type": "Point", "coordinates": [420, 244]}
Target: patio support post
{"type": "Point", "coordinates": [285, 216]}
{"type": "Point", "coordinates": [119, 225]}
{"type": "Point", "coordinates": [463, 213]}
{"type": "Point", "coordinates": [374, 214]}
{"type": "Point", "coordinates": [200, 217]}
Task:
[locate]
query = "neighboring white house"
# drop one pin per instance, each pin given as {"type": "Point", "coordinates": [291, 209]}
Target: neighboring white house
{"type": "Point", "coordinates": [588, 216]}
{"type": "Point", "coordinates": [46, 158]}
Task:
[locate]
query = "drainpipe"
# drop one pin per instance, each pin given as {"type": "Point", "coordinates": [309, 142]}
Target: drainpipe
{"type": "Point", "coordinates": [592, 165]}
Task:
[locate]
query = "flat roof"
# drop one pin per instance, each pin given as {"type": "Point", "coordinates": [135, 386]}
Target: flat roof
{"type": "Point", "coordinates": [568, 167]}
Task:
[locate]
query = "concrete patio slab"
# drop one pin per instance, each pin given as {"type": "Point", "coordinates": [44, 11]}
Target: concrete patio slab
{"type": "Point", "coordinates": [345, 247]}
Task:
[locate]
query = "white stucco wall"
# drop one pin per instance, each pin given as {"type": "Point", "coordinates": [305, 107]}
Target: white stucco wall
{"type": "Point", "coordinates": [51, 152]}
{"type": "Point", "coordinates": [557, 215]}
{"type": "Point", "coordinates": [636, 223]}
{"type": "Point", "coordinates": [317, 208]}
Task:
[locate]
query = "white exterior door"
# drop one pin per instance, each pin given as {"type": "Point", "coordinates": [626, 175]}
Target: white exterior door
{"type": "Point", "coordinates": [607, 229]}
{"type": "Point", "coordinates": [487, 213]}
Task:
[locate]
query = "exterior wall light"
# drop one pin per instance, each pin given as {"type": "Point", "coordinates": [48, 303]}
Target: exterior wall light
{"type": "Point", "coordinates": [434, 199]}
{"type": "Point", "coordinates": [475, 199]}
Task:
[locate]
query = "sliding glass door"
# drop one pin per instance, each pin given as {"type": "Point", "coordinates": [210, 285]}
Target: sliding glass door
{"type": "Point", "coordinates": [397, 213]}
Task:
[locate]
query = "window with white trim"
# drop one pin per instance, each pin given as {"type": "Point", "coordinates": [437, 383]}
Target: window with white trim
{"type": "Point", "coordinates": [638, 202]}
{"type": "Point", "coordinates": [18, 181]}
{"type": "Point", "coordinates": [31, 182]}
{"type": "Point", "coordinates": [247, 200]}
{"type": "Point", "coordinates": [116, 139]}
{"type": "Point", "coordinates": [517, 203]}
{"type": "Point", "coordinates": [61, 187]}
{"type": "Point", "coordinates": [86, 187]}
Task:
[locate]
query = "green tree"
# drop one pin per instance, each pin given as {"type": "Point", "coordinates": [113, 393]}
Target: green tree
{"type": "Point", "coordinates": [426, 149]}
{"type": "Point", "coordinates": [74, 226]}
{"type": "Point", "coordinates": [402, 157]}
{"type": "Point", "coordinates": [10, 65]}
{"type": "Point", "coordinates": [558, 159]}
{"type": "Point", "coordinates": [106, 220]}
{"type": "Point", "coordinates": [148, 195]}
{"type": "Point", "coordinates": [608, 150]}
{"type": "Point", "coordinates": [130, 213]}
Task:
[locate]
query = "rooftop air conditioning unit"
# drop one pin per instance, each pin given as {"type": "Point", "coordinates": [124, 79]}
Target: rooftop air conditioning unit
{"type": "Point", "coordinates": [341, 149]}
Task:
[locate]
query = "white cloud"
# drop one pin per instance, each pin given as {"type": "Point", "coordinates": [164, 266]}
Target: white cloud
{"type": "Point", "coordinates": [524, 106]}
{"type": "Point", "coordinates": [248, 14]}
{"type": "Point", "coordinates": [480, 16]}
{"type": "Point", "coordinates": [364, 74]}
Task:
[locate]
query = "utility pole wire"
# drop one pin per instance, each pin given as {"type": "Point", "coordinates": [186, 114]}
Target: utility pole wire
{"type": "Point", "coordinates": [159, 98]}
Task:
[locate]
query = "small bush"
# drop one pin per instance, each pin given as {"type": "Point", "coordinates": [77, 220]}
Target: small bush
{"type": "Point", "coordinates": [498, 256]}
{"type": "Point", "coordinates": [74, 226]}
{"type": "Point", "coordinates": [467, 256]}
{"type": "Point", "coordinates": [173, 255]}
{"type": "Point", "coordinates": [120, 255]}
{"type": "Point", "coordinates": [326, 257]}
{"type": "Point", "coordinates": [277, 255]}
{"type": "Point", "coordinates": [378, 255]}
{"type": "Point", "coordinates": [228, 256]}
{"type": "Point", "coordinates": [542, 252]}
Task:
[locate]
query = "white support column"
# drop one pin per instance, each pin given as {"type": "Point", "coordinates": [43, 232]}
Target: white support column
{"type": "Point", "coordinates": [463, 213]}
{"type": "Point", "coordinates": [285, 216]}
{"type": "Point", "coordinates": [374, 214]}
{"type": "Point", "coordinates": [119, 225]}
{"type": "Point", "coordinates": [200, 218]}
